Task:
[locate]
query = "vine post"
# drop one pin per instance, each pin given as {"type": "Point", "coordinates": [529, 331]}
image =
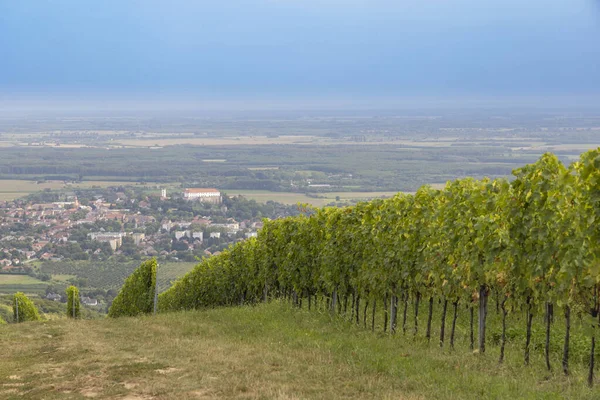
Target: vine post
{"type": "Point", "coordinates": [482, 317]}
{"type": "Point", "coordinates": [156, 290]}
{"type": "Point", "coordinates": [565, 358]}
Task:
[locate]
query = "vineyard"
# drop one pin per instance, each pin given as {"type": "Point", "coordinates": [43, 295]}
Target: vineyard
{"type": "Point", "coordinates": [101, 275]}
{"type": "Point", "coordinates": [111, 274]}
{"type": "Point", "coordinates": [527, 248]}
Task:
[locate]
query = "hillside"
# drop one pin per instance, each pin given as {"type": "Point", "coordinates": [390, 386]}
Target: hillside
{"type": "Point", "coordinates": [267, 351]}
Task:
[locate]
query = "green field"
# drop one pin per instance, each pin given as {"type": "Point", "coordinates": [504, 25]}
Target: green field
{"type": "Point", "coordinates": [62, 277]}
{"type": "Point", "coordinates": [37, 289]}
{"type": "Point", "coordinates": [219, 141]}
{"type": "Point", "coordinates": [281, 197]}
{"type": "Point", "coordinates": [18, 280]}
{"type": "Point", "coordinates": [294, 198]}
{"type": "Point", "coordinates": [12, 189]}
{"type": "Point", "coordinates": [21, 283]}
{"type": "Point", "coordinates": [263, 352]}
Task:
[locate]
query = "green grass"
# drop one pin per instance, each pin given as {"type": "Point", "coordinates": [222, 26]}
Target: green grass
{"type": "Point", "coordinates": [263, 352]}
{"type": "Point", "coordinates": [262, 196]}
{"type": "Point", "coordinates": [6, 279]}
{"type": "Point", "coordinates": [11, 189]}
{"type": "Point", "coordinates": [62, 277]}
{"type": "Point", "coordinates": [294, 198]}
{"type": "Point", "coordinates": [21, 283]}
{"type": "Point", "coordinates": [27, 289]}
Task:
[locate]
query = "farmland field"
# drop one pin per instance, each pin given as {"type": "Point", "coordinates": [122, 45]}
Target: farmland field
{"type": "Point", "coordinates": [219, 141]}
{"type": "Point", "coordinates": [12, 189]}
{"type": "Point", "coordinates": [357, 195]}
{"type": "Point", "coordinates": [21, 283]}
{"type": "Point", "coordinates": [372, 155]}
{"type": "Point", "coordinates": [8, 196]}
{"type": "Point", "coordinates": [6, 279]}
{"type": "Point", "coordinates": [282, 197]}
{"type": "Point", "coordinates": [62, 277]}
{"type": "Point", "coordinates": [294, 198]}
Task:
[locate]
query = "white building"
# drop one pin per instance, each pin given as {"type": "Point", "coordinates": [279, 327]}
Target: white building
{"type": "Point", "coordinates": [138, 238]}
{"type": "Point", "coordinates": [230, 227]}
{"type": "Point", "coordinates": [205, 195]}
{"type": "Point", "coordinates": [114, 239]}
{"type": "Point", "coordinates": [198, 235]}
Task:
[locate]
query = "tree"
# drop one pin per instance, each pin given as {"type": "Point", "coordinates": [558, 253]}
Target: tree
{"type": "Point", "coordinates": [137, 294]}
{"type": "Point", "coordinates": [73, 303]}
{"type": "Point", "coordinates": [24, 309]}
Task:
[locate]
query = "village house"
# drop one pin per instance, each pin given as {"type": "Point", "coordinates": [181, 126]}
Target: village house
{"type": "Point", "coordinates": [140, 220]}
{"type": "Point", "coordinates": [231, 227]}
{"type": "Point", "coordinates": [138, 238]}
{"type": "Point", "coordinates": [53, 296]}
{"type": "Point", "coordinates": [88, 301]}
{"type": "Point", "coordinates": [198, 236]}
{"type": "Point", "coordinates": [114, 239]}
{"type": "Point", "coordinates": [201, 221]}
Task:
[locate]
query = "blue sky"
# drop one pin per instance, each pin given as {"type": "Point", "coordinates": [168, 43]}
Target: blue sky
{"type": "Point", "coordinates": [304, 48]}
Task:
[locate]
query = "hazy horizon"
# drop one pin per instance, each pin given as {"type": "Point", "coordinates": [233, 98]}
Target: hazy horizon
{"type": "Point", "coordinates": [91, 104]}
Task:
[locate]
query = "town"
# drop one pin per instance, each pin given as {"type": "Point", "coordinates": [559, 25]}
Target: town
{"type": "Point", "coordinates": [127, 223]}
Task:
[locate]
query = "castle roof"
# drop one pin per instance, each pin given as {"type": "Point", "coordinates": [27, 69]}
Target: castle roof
{"type": "Point", "coordinates": [201, 190]}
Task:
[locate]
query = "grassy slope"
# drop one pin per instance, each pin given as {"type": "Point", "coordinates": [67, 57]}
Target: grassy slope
{"type": "Point", "coordinates": [269, 351]}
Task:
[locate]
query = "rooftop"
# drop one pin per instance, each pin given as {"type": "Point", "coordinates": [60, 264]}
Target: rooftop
{"type": "Point", "coordinates": [201, 190]}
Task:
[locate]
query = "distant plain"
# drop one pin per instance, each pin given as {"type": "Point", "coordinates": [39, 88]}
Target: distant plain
{"type": "Point", "coordinates": [303, 157]}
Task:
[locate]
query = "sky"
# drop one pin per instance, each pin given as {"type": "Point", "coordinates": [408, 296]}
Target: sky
{"type": "Point", "coordinates": [339, 49]}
